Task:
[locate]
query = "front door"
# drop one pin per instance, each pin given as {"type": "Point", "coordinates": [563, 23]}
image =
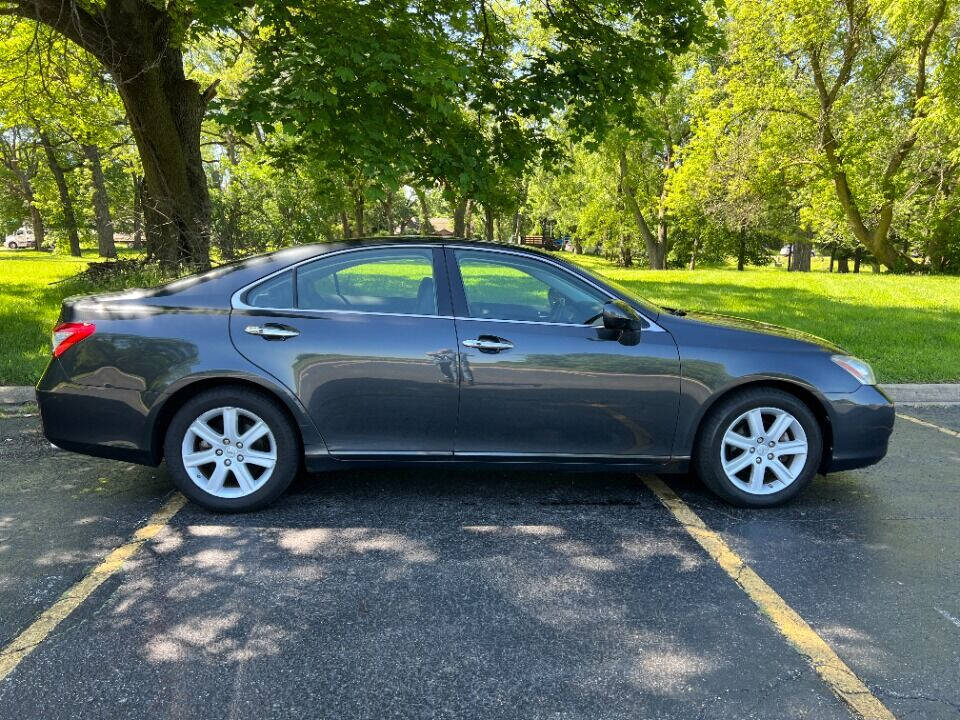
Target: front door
{"type": "Point", "coordinates": [365, 339]}
{"type": "Point", "coordinates": [541, 377]}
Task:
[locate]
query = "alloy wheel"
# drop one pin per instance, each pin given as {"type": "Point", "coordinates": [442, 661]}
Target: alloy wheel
{"type": "Point", "coordinates": [764, 450]}
{"type": "Point", "coordinates": [229, 452]}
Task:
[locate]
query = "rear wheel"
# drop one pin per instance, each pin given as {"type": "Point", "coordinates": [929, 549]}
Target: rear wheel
{"type": "Point", "coordinates": [759, 447]}
{"type": "Point", "coordinates": [231, 450]}
{"type": "Point", "coordinates": [12, 245]}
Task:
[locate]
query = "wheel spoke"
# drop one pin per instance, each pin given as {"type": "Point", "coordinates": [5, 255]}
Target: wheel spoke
{"type": "Point", "coordinates": [254, 433]}
{"type": "Point", "coordinates": [737, 464]}
{"type": "Point", "coordinates": [201, 457]}
{"type": "Point", "coordinates": [230, 423]}
{"type": "Point", "coordinates": [205, 432]}
{"type": "Point", "coordinates": [217, 478]}
{"type": "Point", "coordinates": [779, 426]}
{"type": "Point", "coordinates": [252, 457]}
{"type": "Point", "coordinates": [756, 477]}
{"type": "Point", "coordinates": [755, 421]}
{"type": "Point", "coordinates": [791, 447]}
{"type": "Point", "coordinates": [244, 478]}
{"type": "Point", "coordinates": [781, 471]}
{"type": "Point", "coordinates": [737, 440]}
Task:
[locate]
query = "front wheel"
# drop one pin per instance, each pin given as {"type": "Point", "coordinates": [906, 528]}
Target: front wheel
{"type": "Point", "coordinates": [759, 447]}
{"type": "Point", "coordinates": [231, 450]}
{"type": "Point", "coordinates": [12, 245]}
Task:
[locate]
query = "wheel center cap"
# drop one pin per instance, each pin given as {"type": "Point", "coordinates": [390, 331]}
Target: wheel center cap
{"type": "Point", "coordinates": [229, 451]}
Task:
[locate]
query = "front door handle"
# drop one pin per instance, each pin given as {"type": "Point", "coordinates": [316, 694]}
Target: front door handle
{"type": "Point", "coordinates": [272, 331]}
{"type": "Point", "coordinates": [490, 345]}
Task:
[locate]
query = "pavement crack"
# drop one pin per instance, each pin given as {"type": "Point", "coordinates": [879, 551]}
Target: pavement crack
{"type": "Point", "coordinates": [916, 696]}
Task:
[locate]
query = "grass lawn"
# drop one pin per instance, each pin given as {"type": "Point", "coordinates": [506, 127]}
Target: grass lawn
{"type": "Point", "coordinates": [29, 306]}
{"type": "Point", "coordinates": [907, 327]}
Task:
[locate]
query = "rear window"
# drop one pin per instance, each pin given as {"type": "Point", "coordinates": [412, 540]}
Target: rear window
{"type": "Point", "coordinates": [277, 292]}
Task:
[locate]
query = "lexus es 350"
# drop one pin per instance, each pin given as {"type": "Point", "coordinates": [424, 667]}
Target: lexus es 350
{"type": "Point", "coordinates": [445, 352]}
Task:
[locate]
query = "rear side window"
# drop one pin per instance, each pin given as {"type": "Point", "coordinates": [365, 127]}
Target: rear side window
{"type": "Point", "coordinates": [394, 280]}
{"type": "Point", "coordinates": [277, 292]}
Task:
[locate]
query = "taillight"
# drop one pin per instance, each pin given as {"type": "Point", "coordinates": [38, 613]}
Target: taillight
{"type": "Point", "coordinates": [67, 334]}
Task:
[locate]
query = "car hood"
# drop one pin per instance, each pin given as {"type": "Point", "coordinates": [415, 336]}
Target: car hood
{"type": "Point", "coordinates": [762, 328]}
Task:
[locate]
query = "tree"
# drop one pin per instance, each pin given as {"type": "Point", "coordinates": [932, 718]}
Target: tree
{"type": "Point", "coordinates": [856, 92]}
{"type": "Point", "coordinates": [140, 44]}
{"type": "Point", "coordinates": [454, 94]}
{"type": "Point", "coordinates": [20, 156]}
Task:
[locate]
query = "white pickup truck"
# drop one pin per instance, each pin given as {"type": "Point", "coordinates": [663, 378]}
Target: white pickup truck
{"type": "Point", "coordinates": [22, 238]}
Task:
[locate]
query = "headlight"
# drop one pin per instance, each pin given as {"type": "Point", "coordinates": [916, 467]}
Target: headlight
{"type": "Point", "coordinates": [860, 369]}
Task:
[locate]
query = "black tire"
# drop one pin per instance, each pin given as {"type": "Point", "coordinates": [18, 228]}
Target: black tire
{"type": "Point", "coordinates": [12, 245]}
{"type": "Point", "coordinates": [707, 452]}
{"type": "Point", "coordinates": [260, 404]}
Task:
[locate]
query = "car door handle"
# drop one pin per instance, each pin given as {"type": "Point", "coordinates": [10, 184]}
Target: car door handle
{"type": "Point", "coordinates": [489, 345]}
{"type": "Point", "coordinates": [272, 331]}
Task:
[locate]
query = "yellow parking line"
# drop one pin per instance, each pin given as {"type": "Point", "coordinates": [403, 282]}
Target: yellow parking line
{"type": "Point", "coordinates": [918, 421]}
{"type": "Point", "coordinates": [794, 628]}
{"type": "Point", "coordinates": [27, 641]}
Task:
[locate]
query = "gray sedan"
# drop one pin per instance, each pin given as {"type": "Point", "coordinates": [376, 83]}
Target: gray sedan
{"type": "Point", "coordinates": [445, 352]}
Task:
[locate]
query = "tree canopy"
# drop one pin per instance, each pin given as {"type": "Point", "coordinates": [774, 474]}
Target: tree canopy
{"type": "Point", "coordinates": [661, 132]}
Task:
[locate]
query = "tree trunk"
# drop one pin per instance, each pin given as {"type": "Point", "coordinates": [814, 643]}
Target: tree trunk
{"type": "Point", "coordinates": [801, 256]}
{"type": "Point", "coordinates": [137, 212]}
{"type": "Point", "coordinates": [388, 207]}
{"type": "Point", "coordinates": [459, 219]}
{"type": "Point", "coordinates": [693, 256]}
{"type": "Point", "coordinates": [655, 251]}
{"type": "Point", "coordinates": [626, 253]}
{"type": "Point", "coordinates": [468, 220]}
{"type": "Point", "coordinates": [101, 203]}
{"type": "Point", "coordinates": [857, 258]}
{"type": "Point", "coordinates": [425, 227]}
{"type": "Point", "coordinates": [345, 224]}
{"type": "Point", "coordinates": [488, 223]}
{"type": "Point", "coordinates": [742, 251]}
{"type": "Point", "coordinates": [36, 219]}
{"type": "Point", "coordinates": [36, 222]}
{"type": "Point", "coordinates": [26, 192]}
{"type": "Point", "coordinates": [833, 258]}
{"type": "Point", "coordinates": [358, 211]}
{"type": "Point", "coordinates": [517, 226]}
{"type": "Point", "coordinates": [842, 264]}
{"type": "Point", "coordinates": [66, 203]}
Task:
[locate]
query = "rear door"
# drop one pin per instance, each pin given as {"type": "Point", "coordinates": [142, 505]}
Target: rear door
{"type": "Point", "coordinates": [365, 338]}
{"type": "Point", "coordinates": [541, 376]}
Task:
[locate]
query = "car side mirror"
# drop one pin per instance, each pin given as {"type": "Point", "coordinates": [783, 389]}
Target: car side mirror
{"type": "Point", "coordinates": [618, 315]}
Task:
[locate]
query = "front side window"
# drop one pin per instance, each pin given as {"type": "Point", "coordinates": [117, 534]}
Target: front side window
{"type": "Point", "coordinates": [500, 286]}
{"type": "Point", "coordinates": [394, 280]}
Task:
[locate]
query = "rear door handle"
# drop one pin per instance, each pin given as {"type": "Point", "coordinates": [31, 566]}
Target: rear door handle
{"type": "Point", "coordinates": [272, 331]}
{"type": "Point", "coordinates": [489, 345]}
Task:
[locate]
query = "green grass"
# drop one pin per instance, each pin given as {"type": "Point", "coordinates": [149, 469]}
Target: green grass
{"type": "Point", "coordinates": [907, 327]}
{"type": "Point", "coordinates": [29, 306]}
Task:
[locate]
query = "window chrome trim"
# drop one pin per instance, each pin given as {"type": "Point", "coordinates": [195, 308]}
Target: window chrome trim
{"type": "Point", "coordinates": [653, 327]}
{"type": "Point", "coordinates": [302, 312]}
{"type": "Point", "coordinates": [526, 322]}
{"type": "Point", "coordinates": [236, 302]}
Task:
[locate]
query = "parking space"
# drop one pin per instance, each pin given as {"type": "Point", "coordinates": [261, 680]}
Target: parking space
{"type": "Point", "coordinates": [493, 594]}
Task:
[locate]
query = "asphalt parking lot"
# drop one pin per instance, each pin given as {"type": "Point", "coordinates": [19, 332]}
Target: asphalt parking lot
{"type": "Point", "coordinates": [482, 594]}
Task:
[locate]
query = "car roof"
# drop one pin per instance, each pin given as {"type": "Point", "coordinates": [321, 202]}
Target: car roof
{"type": "Point", "coordinates": [438, 240]}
